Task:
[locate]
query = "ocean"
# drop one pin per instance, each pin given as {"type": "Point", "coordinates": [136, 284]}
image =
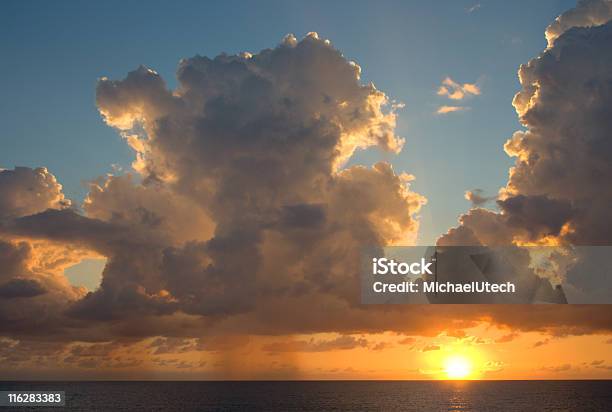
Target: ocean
{"type": "Point", "coordinates": [327, 395]}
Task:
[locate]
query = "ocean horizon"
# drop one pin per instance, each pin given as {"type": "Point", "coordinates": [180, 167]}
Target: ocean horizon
{"type": "Point", "coordinates": [316, 395]}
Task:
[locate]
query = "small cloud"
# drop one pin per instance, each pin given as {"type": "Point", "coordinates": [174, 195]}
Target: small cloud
{"type": "Point", "coordinates": [560, 368]}
{"type": "Point", "coordinates": [477, 197]}
{"type": "Point", "coordinates": [475, 340]}
{"type": "Point", "coordinates": [512, 40]}
{"type": "Point", "coordinates": [380, 346]}
{"type": "Point", "coordinates": [456, 333]}
{"type": "Point", "coordinates": [541, 343]}
{"type": "Point", "coordinates": [493, 366]}
{"type": "Point", "coordinates": [507, 338]}
{"type": "Point", "coordinates": [474, 8]}
{"type": "Point", "coordinates": [430, 348]}
{"type": "Point", "coordinates": [450, 109]}
{"type": "Point", "coordinates": [457, 91]}
{"type": "Point", "coordinates": [406, 177]}
{"type": "Point", "coordinates": [515, 40]}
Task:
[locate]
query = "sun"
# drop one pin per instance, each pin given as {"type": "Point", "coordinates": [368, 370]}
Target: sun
{"type": "Point", "coordinates": [457, 367]}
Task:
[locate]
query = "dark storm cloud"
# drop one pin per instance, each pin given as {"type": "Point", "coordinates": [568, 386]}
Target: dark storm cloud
{"type": "Point", "coordinates": [21, 288]}
{"type": "Point", "coordinates": [537, 215]}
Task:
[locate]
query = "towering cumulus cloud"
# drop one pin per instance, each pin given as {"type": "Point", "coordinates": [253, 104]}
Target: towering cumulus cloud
{"type": "Point", "coordinates": [255, 143]}
{"type": "Point", "coordinates": [558, 190]}
{"type": "Point", "coordinates": [243, 206]}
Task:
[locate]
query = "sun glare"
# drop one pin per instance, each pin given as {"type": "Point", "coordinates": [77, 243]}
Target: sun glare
{"type": "Point", "coordinates": [457, 367]}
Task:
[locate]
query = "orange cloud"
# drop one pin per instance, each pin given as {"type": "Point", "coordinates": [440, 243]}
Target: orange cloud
{"type": "Point", "coordinates": [457, 91]}
{"type": "Point", "coordinates": [450, 109]}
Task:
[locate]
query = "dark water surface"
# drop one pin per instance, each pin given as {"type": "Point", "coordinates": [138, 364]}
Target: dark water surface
{"type": "Point", "coordinates": [328, 395]}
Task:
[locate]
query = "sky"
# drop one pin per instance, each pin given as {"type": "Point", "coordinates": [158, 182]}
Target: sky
{"type": "Point", "coordinates": [186, 189]}
{"type": "Point", "coordinates": [52, 57]}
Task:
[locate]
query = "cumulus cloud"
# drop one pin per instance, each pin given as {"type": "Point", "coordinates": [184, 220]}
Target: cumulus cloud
{"type": "Point", "coordinates": [265, 96]}
{"type": "Point", "coordinates": [33, 290]}
{"type": "Point", "coordinates": [564, 104]}
{"type": "Point", "coordinates": [33, 295]}
{"type": "Point", "coordinates": [28, 191]}
{"type": "Point", "coordinates": [557, 191]}
{"type": "Point", "coordinates": [255, 144]}
{"type": "Point", "coordinates": [242, 210]}
{"type": "Point", "coordinates": [150, 206]}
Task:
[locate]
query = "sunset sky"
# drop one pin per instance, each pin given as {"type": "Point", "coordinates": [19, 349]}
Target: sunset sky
{"type": "Point", "coordinates": [185, 190]}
